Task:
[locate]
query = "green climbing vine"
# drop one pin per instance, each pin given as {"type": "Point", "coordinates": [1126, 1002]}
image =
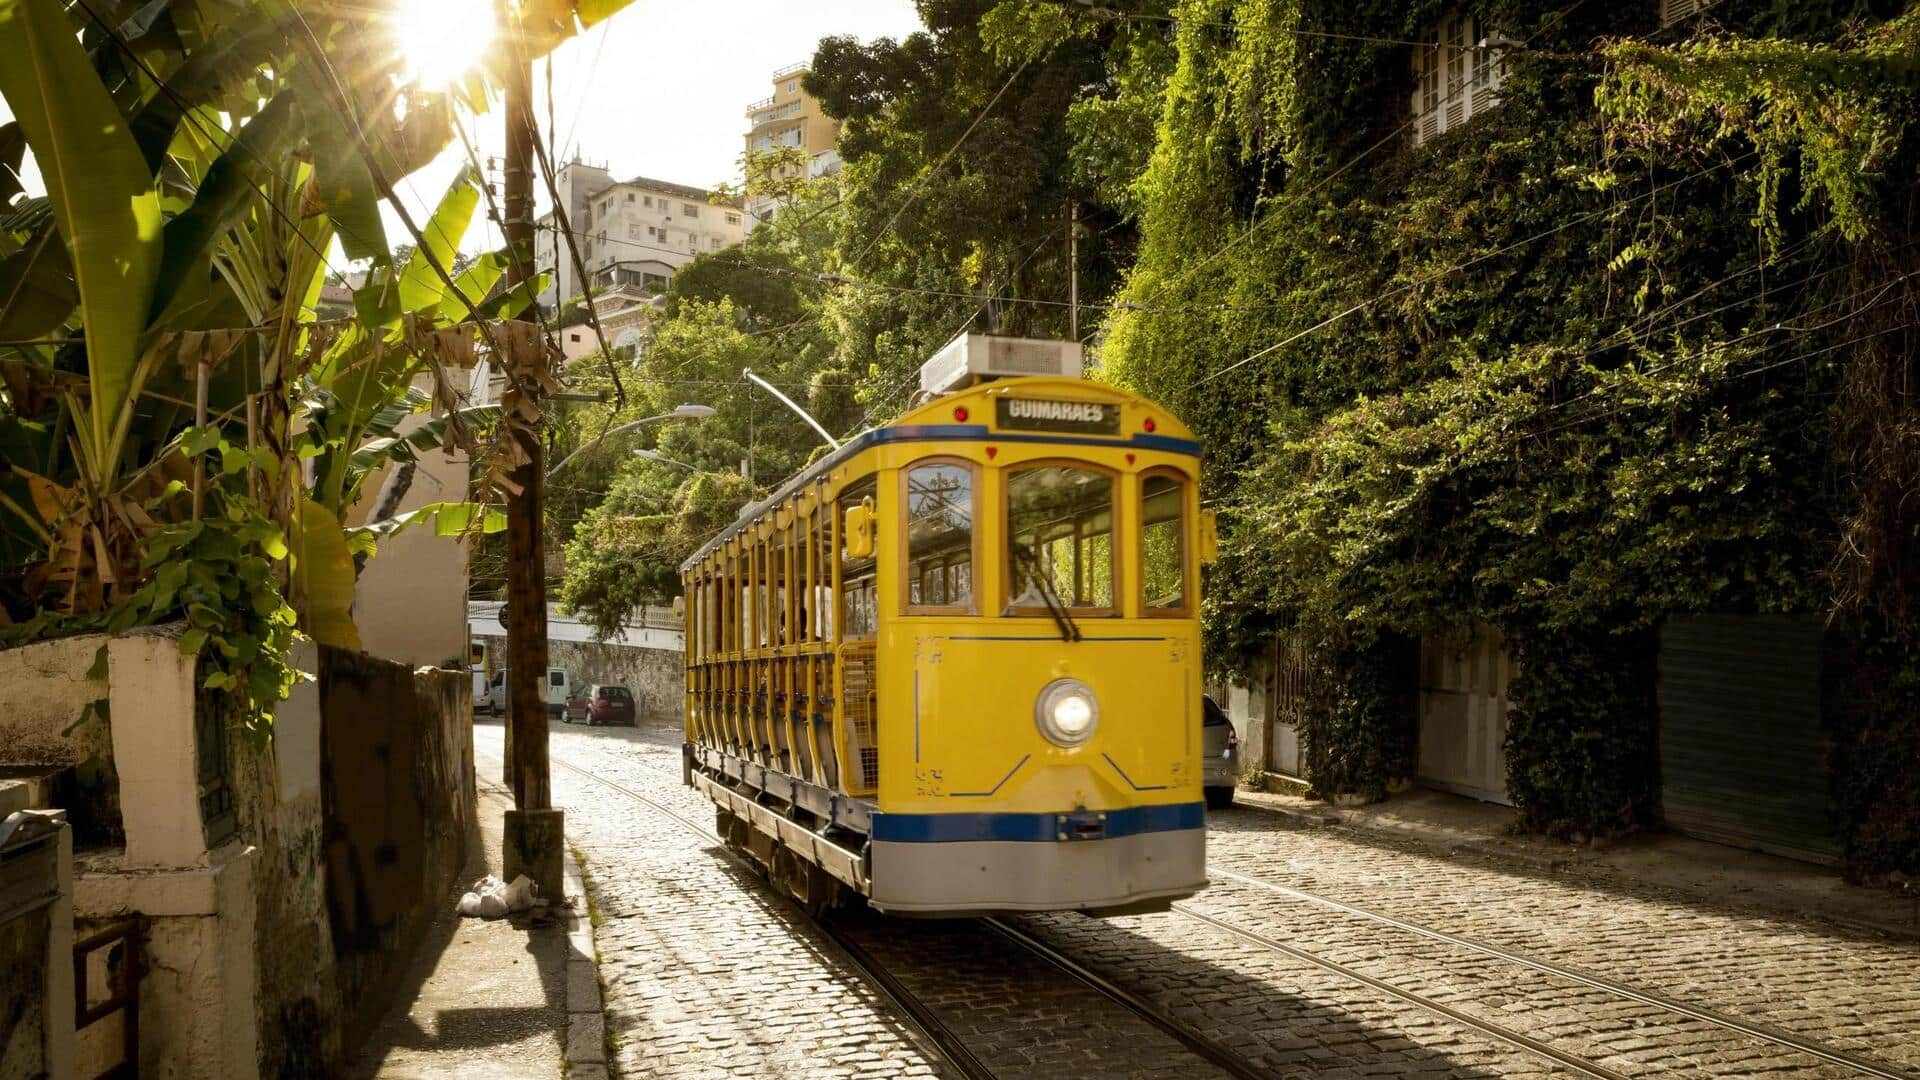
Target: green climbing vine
{"type": "Point", "coordinates": [1601, 356]}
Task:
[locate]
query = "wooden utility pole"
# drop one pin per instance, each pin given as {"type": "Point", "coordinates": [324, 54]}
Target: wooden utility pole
{"type": "Point", "coordinates": [535, 836]}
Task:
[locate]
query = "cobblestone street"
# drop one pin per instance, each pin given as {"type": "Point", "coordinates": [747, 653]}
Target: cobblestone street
{"type": "Point", "coordinates": [1315, 950]}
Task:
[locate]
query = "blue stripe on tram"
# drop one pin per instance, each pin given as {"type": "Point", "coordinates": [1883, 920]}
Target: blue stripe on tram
{"type": "Point", "coordinates": [950, 828]}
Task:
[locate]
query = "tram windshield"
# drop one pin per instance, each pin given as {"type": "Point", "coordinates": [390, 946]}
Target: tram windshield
{"type": "Point", "coordinates": [1163, 564]}
{"type": "Point", "coordinates": [1060, 534]}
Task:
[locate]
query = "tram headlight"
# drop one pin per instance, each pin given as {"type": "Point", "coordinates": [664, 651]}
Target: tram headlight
{"type": "Point", "coordinates": [1067, 712]}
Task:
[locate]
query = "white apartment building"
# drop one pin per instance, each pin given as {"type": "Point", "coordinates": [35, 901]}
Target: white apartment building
{"type": "Point", "coordinates": [633, 233]}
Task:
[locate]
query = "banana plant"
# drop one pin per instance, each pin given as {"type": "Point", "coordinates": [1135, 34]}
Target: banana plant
{"type": "Point", "coordinates": [162, 292]}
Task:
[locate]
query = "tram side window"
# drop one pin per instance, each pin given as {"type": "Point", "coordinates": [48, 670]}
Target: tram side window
{"type": "Point", "coordinates": [1163, 569]}
{"type": "Point", "coordinates": [939, 507]}
{"type": "Point", "coordinates": [857, 590]}
{"type": "Point", "coordinates": [1060, 536]}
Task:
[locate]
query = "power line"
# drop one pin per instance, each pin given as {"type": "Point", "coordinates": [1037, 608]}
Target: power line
{"type": "Point", "coordinates": [1457, 267]}
{"type": "Point", "coordinates": [921, 180]}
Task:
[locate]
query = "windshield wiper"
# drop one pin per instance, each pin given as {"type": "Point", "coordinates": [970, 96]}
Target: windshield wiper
{"type": "Point", "coordinates": [1062, 618]}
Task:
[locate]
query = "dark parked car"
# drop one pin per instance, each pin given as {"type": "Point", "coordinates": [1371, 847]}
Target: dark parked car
{"type": "Point", "coordinates": [603, 703]}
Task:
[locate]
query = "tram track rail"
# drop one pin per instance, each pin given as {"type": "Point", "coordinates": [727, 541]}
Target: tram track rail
{"type": "Point", "coordinates": [1234, 1065]}
{"type": "Point", "coordinates": [1752, 1029]}
{"type": "Point", "coordinates": [932, 1033]}
{"type": "Point", "coordinates": [924, 1018]}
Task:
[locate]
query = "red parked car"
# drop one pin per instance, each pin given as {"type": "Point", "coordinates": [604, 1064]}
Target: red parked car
{"type": "Point", "coordinates": [603, 703]}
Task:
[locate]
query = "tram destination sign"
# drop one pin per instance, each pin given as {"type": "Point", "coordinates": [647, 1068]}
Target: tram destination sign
{"type": "Point", "coordinates": [1078, 417]}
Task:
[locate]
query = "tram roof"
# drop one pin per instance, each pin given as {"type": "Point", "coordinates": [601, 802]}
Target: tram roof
{"type": "Point", "coordinates": [915, 425]}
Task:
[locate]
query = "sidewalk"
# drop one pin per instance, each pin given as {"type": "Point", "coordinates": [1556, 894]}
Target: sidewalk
{"type": "Point", "coordinates": [501, 999]}
{"type": "Point", "coordinates": [1695, 868]}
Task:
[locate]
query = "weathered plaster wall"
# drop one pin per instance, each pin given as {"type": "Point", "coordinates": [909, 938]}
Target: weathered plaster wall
{"type": "Point", "coordinates": [397, 791]}
{"type": "Point", "coordinates": [277, 798]}
{"type": "Point", "coordinates": [46, 718]}
{"type": "Point", "coordinates": [410, 603]}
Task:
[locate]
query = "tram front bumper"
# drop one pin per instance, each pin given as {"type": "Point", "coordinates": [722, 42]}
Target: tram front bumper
{"type": "Point", "coordinates": [1136, 871]}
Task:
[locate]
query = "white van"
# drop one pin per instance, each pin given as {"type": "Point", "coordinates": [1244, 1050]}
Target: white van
{"type": "Point", "coordinates": [561, 685]}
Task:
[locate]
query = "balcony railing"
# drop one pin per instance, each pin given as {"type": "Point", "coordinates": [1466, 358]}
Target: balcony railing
{"type": "Point", "coordinates": [773, 116]}
{"type": "Point", "coordinates": [758, 105]}
{"type": "Point", "coordinates": [791, 68]}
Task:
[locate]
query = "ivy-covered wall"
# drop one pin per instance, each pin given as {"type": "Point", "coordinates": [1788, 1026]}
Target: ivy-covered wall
{"type": "Point", "coordinates": [1627, 345]}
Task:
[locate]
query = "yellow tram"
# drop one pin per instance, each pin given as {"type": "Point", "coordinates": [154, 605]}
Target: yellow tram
{"type": "Point", "coordinates": [954, 666]}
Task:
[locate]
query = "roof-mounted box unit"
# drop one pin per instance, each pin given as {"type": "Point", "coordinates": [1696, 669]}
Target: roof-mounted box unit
{"type": "Point", "coordinates": [972, 356]}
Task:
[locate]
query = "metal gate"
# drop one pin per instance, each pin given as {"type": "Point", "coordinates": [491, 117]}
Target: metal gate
{"type": "Point", "coordinates": [1464, 677]}
{"type": "Point", "coordinates": [1743, 754]}
{"type": "Point", "coordinates": [1289, 698]}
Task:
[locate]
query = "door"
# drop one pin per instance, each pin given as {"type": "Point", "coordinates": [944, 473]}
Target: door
{"type": "Point", "coordinates": [1464, 677]}
{"type": "Point", "coordinates": [1743, 752]}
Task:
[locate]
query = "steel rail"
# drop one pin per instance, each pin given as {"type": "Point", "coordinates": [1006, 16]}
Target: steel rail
{"type": "Point", "coordinates": [1485, 1027]}
{"type": "Point", "coordinates": [1750, 1028]}
{"type": "Point", "coordinates": [1213, 1052]}
{"type": "Point", "coordinates": [933, 1032]}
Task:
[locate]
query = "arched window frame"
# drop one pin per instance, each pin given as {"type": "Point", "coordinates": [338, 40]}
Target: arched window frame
{"type": "Point", "coordinates": [1003, 531]}
{"type": "Point", "coordinates": [974, 538]}
{"type": "Point", "coordinates": [1189, 519]}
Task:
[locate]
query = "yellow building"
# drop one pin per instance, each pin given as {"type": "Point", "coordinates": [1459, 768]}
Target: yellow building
{"type": "Point", "coordinates": [790, 119]}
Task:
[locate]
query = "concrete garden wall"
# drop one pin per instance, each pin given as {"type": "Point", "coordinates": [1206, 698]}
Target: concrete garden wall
{"type": "Point", "coordinates": [275, 877]}
{"type": "Point", "coordinates": [397, 788]}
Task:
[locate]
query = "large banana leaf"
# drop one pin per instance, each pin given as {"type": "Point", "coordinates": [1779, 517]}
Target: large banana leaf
{"type": "Point", "coordinates": [13, 150]}
{"type": "Point", "coordinates": [342, 182]}
{"type": "Point", "coordinates": [210, 76]}
{"type": "Point", "coordinates": [323, 577]}
{"type": "Point", "coordinates": [103, 199]}
{"type": "Point", "coordinates": [446, 519]}
{"type": "Point", "coordinates": [230, 184]}
{"type": "Point", "coordinates": [376, 452]}
{"type": "Point", "coordinates": [420, 286]}
{"type": "Point", "coordinates": [36, 287]}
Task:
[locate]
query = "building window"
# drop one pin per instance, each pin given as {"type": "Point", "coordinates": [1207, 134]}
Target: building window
{"type": "Point", "coordinates": [733, 219]}
{"type": "Point", "coordinates": [629, 196]}
{"type": "Point", "coordinates": [689, 209]}
{"type": "Point", "coordinates": [606, 206]}
{"type": "Point", "coordinates": [793, 86]}
{"type": "Point", "coordinates": [633, 231]}
{"type": "Point", "coordinates": [1457, 75]}
{"type": "Point", "coordinates": [573, 336]}
{"type": "Point", "coordinates": [646, 200]}
{"type": "Point", "coordinates": [716, 243]}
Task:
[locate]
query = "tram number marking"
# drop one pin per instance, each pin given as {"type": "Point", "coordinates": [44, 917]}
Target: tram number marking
{"type": "Point", "coordinates": [1077, 417]}
{"type": "Point", "coordinates": [929, 782]}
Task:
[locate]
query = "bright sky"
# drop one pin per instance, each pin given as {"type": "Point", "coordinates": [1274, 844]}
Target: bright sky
{"type": "Point", "coordinates": [658, 90]}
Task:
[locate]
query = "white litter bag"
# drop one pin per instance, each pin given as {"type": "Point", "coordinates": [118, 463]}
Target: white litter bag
{"type": "Point", "coordinates": [491, 898]}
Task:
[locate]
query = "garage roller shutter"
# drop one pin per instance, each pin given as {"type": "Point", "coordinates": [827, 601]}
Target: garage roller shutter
{"type": "Point", "coordinates": [1743, 754]}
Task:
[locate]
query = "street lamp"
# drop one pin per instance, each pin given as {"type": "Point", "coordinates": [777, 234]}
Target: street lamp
{"type": "Point", "coordinates": [680, 412]}
{"type": "Point", "coordinates": [747, 373]}
{"type": "Point", "coordinates": [663, 459]}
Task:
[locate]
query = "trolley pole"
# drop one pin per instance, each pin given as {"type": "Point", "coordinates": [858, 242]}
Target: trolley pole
{"type": "Point", "coordinates": [535, 831]}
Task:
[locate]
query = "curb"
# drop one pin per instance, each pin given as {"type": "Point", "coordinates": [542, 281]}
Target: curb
{"type": "Point", "coordinates": [585, 1053]}
{"type": "Point", "coordinates": [1334, 817]}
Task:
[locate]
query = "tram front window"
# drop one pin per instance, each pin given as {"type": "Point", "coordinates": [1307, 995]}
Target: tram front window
{"type": "Point", "coordinates": [1163, 567]}
{"type": "Point", "coordinates": [940, 536]}
{"type": "Point", "coordinates": [1060, 538]}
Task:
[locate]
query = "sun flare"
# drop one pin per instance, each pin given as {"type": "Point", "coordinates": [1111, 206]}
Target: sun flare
{"type": "Point", "coordinates": [442, 40]}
